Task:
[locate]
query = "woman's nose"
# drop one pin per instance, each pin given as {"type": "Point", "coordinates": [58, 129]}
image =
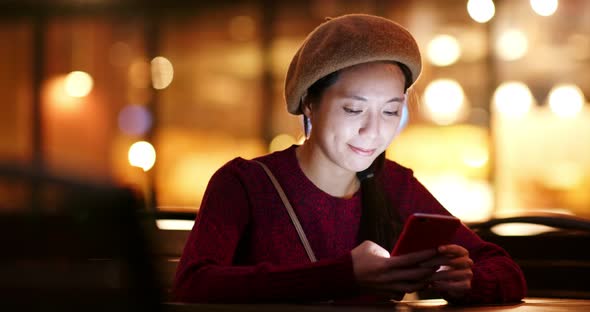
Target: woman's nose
{"type": "Point", "coordinates": [370, 126]}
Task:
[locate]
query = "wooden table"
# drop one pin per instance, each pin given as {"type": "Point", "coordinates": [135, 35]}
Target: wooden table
{"type": "Point", "coordinates": [528, 305]}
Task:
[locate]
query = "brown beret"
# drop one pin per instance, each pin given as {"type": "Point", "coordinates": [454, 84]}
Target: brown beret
{"type": "Point", "coordinates": [346, 41]}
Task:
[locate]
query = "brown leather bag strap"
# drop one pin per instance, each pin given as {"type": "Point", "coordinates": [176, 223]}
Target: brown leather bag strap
{"type": "Point", "coordinates": [291, 212]}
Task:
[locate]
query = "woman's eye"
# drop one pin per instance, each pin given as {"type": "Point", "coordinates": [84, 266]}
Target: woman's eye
{"type": "Point", "coordinates": [352, 111]}
{"type": "Point", "coordinates": [391, 113]}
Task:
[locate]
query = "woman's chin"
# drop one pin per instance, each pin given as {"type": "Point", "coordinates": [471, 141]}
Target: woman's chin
{"type": "Point", "coordinates": [360, 167]}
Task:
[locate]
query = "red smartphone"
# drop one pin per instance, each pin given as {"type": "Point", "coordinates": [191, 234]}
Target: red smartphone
{"type": "Point", "coordinates": [425, 231]}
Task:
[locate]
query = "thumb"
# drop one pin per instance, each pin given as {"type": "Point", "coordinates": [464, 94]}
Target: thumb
{"type": "Point", "coordinates": [377, 250]}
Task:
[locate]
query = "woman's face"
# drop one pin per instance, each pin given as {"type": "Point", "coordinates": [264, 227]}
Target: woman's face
{"type": "Point", "coordinates": [358, 116]}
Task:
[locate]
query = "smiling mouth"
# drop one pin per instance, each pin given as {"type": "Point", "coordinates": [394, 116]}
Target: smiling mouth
{"type": "Point", "coordinates": [361, 151]}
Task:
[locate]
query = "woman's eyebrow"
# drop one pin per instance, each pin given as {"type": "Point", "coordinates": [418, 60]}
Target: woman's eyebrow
{"type": "Point", "coordinates": [360, 98]}
{"type": "Point", "coordinates": [355, 97]}
{"type": "Point", "coordinates": [396, 99]}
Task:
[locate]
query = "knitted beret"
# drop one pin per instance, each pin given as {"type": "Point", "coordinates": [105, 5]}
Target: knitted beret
{"type": "Point", "coordinates": [343, 42]}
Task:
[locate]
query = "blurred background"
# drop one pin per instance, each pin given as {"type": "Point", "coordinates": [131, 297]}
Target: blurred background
{"type": "Point", "coordinates": [157, 95]}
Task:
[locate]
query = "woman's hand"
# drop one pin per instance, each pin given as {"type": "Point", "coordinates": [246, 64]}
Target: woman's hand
{"type": "Point", "coordinates": [454, 274]}
{"type": "Point", "coordinates": [376, 271]}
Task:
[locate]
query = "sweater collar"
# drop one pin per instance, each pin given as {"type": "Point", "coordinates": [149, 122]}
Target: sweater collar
{"type": "Point", "coordinates": [306, 183]}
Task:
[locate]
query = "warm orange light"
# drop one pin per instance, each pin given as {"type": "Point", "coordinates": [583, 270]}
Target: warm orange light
{"type": "Point", "coordinates": [242, 28]}
{"type": "Point", "coordinates": [521, 229]}
{"type": "Point", "coordinates": [56, 96]}
{"type": "Point", "coordinates": [469, 199]}
{"type": "Point", "coordinates": [544, 7]}
{"type": "Point", "coordinates": [513, 99]}
{"type": "Point", "coordinates": [143, 155]}
{"type": "Point", "coordinates": [481, 11]}
{"type": "Point", "coordinates": [443, 50]}
{"type": "Point", "coordinates": [78, 84]}
{"type": "Point", "coordinates": [444, 100]}
{"type": "Point", "coordinates": [512, 44]}
{"type": "Point", "coordinates": [281, 142]}
{"type": "Point", "coordinates": [172, 224]}
{"type": "Point", "coordinates": [566, 100]}
{"type": "Point", "coordinates": [162, 72]}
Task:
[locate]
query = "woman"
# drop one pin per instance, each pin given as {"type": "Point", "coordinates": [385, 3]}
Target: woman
{"type": "Point", "coordinates": [350, 80]}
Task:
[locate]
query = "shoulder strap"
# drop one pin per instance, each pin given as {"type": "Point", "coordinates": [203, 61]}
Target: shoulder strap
{"type": "Point", "coordinates": [291, 212]}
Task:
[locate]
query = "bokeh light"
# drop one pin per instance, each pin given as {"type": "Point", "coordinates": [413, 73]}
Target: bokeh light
{"type": "Point", "coordinates": [566, 100]}
{"type": "Point", "coordinates": [521, 229]}
{"type": "Point", "coordinates": [481, 11]}
{"type": "Point", "coordinates": [78, 84]}
{"type": "Point", "coordinates": [162, 72]}
{"type": "Point", "coordinates": [135, 120]}
{"type": "Point", "coordinates": [142, 154]}
{"type": "Point", "coordinates": [475, 156]}
{"type": "Point", "coordinates": [443, 50]}
{"type": "Point", "coordinates": [512, 45]}
{"type": "Point", "coordinates": [470, 200]}
{"type": "Point", "coordinates": [55, 94]}
{"type": "Point", "coordinates": [544, 7]}
{"type": "Point", "coordinates": [444, 100]}
{"type": "Point", "coordinates": [175, 225]}
{"type": "Point", "coordinates": [513, 99]}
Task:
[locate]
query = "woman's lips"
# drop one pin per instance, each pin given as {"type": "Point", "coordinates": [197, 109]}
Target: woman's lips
{"type": "Point", "coordinates": [362, 151]}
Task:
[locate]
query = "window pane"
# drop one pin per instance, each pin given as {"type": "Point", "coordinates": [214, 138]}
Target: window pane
{"type": "Point", "coordinates": [15, 117]}
{"type": "Point", "coordinates": [16, 90]}
{"type": "Point", "coordinates": [211, 112]}
{"type": "Point", "coordinates": [80, 110]}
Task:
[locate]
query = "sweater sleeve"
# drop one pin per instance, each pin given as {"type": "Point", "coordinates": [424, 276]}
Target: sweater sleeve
{"type": "Point", "coordinates": [496, 277]}
{"type": "Point", "coordinates": [206, 272]}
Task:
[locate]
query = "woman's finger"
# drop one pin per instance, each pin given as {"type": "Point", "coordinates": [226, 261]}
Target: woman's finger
{"type": "Point", "coordinates": [410, 274]}
{"type": "Point", "coordinates": [435, 261]}
{"type": "Point", "coordinates": [460, 263]}
{"type": "Point", "coordinates": [411, 259]}
{"type": "Point", "coordinates": [456, 263]}
{"type": "Point", "coordinates": [452, 275]}
{"type": "Point", "coordinates": [455, 256]}
{"type": "Point", "coordinates": [453, 250]}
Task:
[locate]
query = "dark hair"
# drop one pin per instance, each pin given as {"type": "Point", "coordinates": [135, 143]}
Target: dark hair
{"type": "Point", "coordinates": [380, 222]}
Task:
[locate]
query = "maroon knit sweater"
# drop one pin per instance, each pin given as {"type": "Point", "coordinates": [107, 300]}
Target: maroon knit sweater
{"type": "Point", "coordinates": [244, 248]}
